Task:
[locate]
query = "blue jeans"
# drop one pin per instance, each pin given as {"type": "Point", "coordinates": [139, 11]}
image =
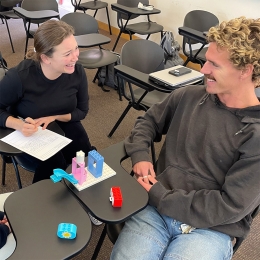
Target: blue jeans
{"type": "Point", "coordinates": [151, 236]}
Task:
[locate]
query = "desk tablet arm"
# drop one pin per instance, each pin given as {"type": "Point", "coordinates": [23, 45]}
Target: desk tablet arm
{"type": "Point", "coordinates": [58, 174]}
{"type": "Point", "coordinates": [193, 34]}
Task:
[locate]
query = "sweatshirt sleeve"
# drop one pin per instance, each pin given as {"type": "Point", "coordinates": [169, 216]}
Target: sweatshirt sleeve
{"type": "Point", "coordinates": [10, 93]}
{"type": "Point", "coordinates": [151, 126]}
{"type": "Point", "coordinates": [82, 98]}
{"type": "Point", "coordinates": [4, 232]}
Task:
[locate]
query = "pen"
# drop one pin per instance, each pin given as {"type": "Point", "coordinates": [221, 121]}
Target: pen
{"type": "Point", "coordinates": [23, 119]}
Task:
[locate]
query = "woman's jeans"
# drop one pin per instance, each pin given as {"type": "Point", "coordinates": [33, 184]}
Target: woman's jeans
{"type": "Point", "coordinates": [151, 236]}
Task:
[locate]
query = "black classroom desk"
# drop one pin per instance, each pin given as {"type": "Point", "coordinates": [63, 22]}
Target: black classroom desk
{"type": "Point", "coordinates": [96, 197]}
{"type": "Point", "coordinates": [34, 213]}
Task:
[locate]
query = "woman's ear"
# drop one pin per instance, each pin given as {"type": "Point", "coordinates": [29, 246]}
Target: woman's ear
{"type": "Point", "coordinates": [45, 59]}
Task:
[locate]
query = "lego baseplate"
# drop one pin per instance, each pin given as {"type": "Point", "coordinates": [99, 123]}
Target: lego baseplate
{"type": "Point", "coordinates": [91, 180]}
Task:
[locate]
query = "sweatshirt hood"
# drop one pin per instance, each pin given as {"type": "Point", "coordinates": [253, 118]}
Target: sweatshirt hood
{"type": "Point", "coordinates": [248, 115]}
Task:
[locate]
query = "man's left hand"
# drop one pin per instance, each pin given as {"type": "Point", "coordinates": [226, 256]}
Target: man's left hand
{"type": "Point", "coordinates": [147, 181]}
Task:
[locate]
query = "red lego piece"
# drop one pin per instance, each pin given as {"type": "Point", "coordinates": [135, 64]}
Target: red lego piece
{"type": "Point", "coordinates": [116, 197]}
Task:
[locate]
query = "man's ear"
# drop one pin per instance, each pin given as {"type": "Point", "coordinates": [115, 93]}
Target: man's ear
{"type": "Point", "coordinates": [45, 59]}
{"type": "Point", "coordinates": [247, 71]}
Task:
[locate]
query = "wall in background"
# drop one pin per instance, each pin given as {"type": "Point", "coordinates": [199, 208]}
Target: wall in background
{"type": "Point", "coordinates": [173, 12]}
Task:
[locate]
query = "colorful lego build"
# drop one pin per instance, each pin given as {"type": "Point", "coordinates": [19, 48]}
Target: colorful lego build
{"type": "Point", "coordinates": [83, 177]}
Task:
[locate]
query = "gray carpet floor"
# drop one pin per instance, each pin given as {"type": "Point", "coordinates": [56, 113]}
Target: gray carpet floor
{"type": "Point", "coordinates": [105, 109]}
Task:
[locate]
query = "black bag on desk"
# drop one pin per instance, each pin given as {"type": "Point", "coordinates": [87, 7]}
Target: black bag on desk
{"type": "Point", "coordinates": [106, 75]}
{"type": "Point", "coordinates": [171, 50]}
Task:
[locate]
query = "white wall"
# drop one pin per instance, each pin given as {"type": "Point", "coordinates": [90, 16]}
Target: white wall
{"type": "Point", "coordinates": [173, 11]}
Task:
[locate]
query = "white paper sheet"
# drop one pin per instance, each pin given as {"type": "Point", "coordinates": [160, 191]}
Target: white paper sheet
{"type": "Point", "coordinates": [42, 145]}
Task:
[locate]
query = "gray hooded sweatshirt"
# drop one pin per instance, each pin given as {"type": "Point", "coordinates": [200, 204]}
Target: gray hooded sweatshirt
{"type": "Point", "coordinates": [208, 170]}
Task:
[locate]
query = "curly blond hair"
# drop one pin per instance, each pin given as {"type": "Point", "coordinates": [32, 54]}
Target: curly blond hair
{"type": "Point", "coordinates": [241, 37]}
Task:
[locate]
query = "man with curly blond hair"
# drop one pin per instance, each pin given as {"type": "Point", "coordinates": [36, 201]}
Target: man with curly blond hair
{"type": "Point", "coordinates": [207, 178]}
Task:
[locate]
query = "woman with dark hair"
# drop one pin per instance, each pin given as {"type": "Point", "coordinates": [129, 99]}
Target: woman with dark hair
{"type": "Point", "coordinates": [48, 86]}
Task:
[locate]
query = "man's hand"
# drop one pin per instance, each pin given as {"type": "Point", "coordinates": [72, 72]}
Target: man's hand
{"type": "Point", "coordinates": [145, 174]}
{"type": "Point", "coordinates": [147, 181]}
{"type": "Point", "coordinates": [45, 121]}
{"type": "Point", "coordinates": [143, 169]}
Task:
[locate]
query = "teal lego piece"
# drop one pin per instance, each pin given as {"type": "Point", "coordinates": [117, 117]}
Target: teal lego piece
{"type": "Point", "coordinates": [67, 230]}
{"type": "Point", "coordinates": [95, 163]}
{"type": "Point", "coordinates": [55, 179]}
{"type": "Point", "coordinates": [59, 174]}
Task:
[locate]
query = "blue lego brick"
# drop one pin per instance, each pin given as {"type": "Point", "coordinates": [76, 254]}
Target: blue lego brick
{"type": "Point", "coordinates": [67, 230]}
{"type": "Point", "coordinates": [95, 163]}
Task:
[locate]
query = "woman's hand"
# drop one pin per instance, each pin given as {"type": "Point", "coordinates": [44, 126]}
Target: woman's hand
{"type": "Point", "coordinates": [45, 121]}
{"type": "Point", "coordinates": [28, 126]}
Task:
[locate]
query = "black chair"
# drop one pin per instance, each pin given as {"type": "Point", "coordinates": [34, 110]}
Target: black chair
{"type": "Point", "coordinates": [36, 5]}
{"type": "Point", "coordinates": [9, 14]}
{"type": "Point", "coordinates": [142, 28]}
{"type": "Point", "coordinates": [96, 58]}
{"type": "Point", "coordinates": [201, 21]}
{"type": "Point", "coordinates": [143, 56]}
{"type": "Point", "coordinates": [92, 5]}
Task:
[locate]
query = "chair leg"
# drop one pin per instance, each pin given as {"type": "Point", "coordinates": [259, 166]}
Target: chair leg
{"type": "Point", "coordinates": [120, 119]}
{"type": "Point", "coordinates": [3, 172]}
{"type": "Point", "coordinates": [108, 20]}
{"type": "Point", "coordinates": [95, 13]}
{"type": "Point", "coordinates": [17, 172]}
{"type": "Point", "coordinates": [117, 39]}
{"type": "Point", "coordinates": [99, 244]}
{"type": "Point", "coordinates": [27, 29]}
{"type": "Point", "coordinates": [7, 27]}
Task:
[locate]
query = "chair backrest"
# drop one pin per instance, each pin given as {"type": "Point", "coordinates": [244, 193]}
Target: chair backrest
{"type": "Point", "coordinates": [199, 20]}
{"type": "Point", "coordinates": [37, 5]}
{"type": "Point", "coordinates": [143, 55]}
{"type": "Point", "coordinates": [9, 3]}
{"type": "Point", "coordinates": [82, 23]}
{"type": "Point", "coordinates": [129, 3]}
